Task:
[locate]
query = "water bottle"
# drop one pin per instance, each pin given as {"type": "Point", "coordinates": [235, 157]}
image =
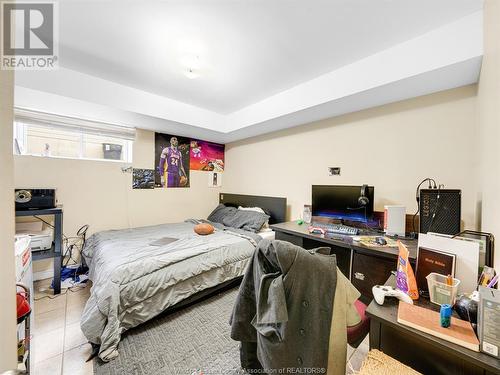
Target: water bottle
{"type": "Point", "coordinates": [307, 214]}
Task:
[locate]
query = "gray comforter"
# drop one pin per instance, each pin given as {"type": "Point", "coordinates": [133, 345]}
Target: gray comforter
{"type": "Point", "coordinates": [138, 273]}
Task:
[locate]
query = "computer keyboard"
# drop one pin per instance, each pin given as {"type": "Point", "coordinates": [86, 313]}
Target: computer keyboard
{"type": "Point", "coordinates": [337, 228]}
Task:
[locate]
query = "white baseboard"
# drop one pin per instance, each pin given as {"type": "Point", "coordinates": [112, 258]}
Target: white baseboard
{"type": "Point", "coordinates": [42, 275]}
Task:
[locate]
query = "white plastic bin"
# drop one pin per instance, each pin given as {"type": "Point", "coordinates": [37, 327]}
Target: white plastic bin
{"type": "Point", "coordinates": [24, 275]}
{"type": "Point", "coordinates": [440, 293]}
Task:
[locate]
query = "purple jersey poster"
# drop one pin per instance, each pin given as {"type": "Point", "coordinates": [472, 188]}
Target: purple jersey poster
{"type": "Point", "coordinates": [171, 161]}
{"type": "Point", "coordinates": [207, 156]}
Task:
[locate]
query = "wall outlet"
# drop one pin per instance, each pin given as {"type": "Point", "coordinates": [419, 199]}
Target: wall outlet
{"type": "Point", "coordinates": [334, 171]}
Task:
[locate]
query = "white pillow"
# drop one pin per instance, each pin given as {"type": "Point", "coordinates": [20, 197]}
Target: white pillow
{"type": "Point", "coordinates": [265, 230]}
{"type": "Point", "coordinates": [256, 209]}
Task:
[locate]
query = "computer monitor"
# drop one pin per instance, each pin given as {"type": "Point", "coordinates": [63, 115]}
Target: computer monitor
{"type": "Point", "coordinates": [342, 202]}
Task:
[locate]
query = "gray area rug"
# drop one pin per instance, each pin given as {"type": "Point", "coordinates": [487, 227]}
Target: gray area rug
{"type": "Point", "coordinates": [194, 340]}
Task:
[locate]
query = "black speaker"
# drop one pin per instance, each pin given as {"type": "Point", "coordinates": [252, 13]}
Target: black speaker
{"type": "Point", "coordinates": [440, 210]}
{"type": "Point", "coordinates": [35, 199]}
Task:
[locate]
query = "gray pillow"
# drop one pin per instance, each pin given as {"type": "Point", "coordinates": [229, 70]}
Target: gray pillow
{"type": "Point", "coordinates": [247, 220]}
{"type": "Point", "coordinates": [220, 212]}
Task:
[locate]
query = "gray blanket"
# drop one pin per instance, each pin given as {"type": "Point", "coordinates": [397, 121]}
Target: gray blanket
{"type": "Point", "coordinates": [138, 273]}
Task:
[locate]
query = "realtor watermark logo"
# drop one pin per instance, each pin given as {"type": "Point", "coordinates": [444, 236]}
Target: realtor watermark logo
{"type": "Point", "coordinates": [29, 39]}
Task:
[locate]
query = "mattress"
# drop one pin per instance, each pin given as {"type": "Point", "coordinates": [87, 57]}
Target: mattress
{"type": "Point", "coordinates": [138, 273]}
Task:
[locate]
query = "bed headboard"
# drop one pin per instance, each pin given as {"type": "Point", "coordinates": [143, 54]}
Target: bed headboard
{"type": "Point", "coordinates": [275, 207]}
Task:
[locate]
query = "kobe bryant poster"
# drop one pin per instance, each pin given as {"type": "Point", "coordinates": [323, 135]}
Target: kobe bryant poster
{"type": "Point", "coordinates": [171, 161]}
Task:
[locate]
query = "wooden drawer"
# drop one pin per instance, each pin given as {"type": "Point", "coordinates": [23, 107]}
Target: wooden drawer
{"type": "Point", "coordinates": [369, 270]}
{"type": "Point", "coordinates": [296, 240]}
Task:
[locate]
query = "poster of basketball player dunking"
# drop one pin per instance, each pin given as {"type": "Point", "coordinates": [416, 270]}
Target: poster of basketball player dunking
{"type": "Point", "coordinates": [171, 161]}
{"type": "Point", "coordinates": [207, 156]}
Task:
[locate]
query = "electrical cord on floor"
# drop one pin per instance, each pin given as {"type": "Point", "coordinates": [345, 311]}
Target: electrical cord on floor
{"type": "Point", "coordinates": [72, 289]}
{"type": "Point", "coordinates": [81, 235]}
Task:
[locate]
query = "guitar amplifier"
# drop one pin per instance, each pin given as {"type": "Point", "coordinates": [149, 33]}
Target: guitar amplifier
{"type": "Point", "coordinates": [440, 210]}
{"type": "Point", "coordinates": [35, 199]}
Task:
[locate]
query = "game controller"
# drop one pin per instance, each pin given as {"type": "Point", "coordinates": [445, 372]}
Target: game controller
{"type": "Point", "coordinates": [381, 291]}
{"type": "Point", "coordinates": [316, 230]}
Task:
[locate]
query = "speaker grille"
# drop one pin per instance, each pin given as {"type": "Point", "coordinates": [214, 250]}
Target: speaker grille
{"type": "Point", "coordinates": [447, 209]}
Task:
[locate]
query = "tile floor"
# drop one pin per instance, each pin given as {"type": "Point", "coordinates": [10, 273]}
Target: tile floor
{"type": "Point", "coordinates": [355, 357]}
{"type": "Point", "coordinates": [60, 347]}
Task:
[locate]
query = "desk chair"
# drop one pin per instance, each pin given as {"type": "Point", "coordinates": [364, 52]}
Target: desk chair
{"type": "Point", "coordinates": [356, 334]}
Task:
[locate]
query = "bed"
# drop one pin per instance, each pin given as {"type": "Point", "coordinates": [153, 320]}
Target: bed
{"type": "Point", "coordinates": [139, 273]}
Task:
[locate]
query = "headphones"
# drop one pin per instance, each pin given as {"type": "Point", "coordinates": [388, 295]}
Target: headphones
{"type": "Point", "coordinates": [363, 198]}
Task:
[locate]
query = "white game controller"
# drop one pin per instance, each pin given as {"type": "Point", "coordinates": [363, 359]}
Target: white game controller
{"type": "Point", "coordinates": [381, 291]}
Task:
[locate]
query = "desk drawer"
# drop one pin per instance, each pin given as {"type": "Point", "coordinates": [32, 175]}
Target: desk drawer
{"type": "Point", "coordinates": [343, 254]}
{"type": "Point", "coordinates": [369, 270]}
{"type": "Point", "coordinates": [296, 240]}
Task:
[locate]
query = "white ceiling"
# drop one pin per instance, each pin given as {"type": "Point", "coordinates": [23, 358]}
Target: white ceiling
{"type": "Point", "coordinates": [248, 49]}
{"type": "Point", "coordinates": [264, 65]}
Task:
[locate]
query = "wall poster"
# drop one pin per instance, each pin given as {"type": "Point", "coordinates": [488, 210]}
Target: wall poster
{"type": "Point", "coordinates": [172, 156]}
{"type": "Point", "coordinates": [207, 156]}
{"type": "Point", "coordinates": [143, 178]}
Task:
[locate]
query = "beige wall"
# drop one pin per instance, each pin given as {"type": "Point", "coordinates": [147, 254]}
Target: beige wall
{"type": "Point", "coordinates": [392, 147]}
{"type": "Point", "coordinates": [489, 122]}
{"type": "Point", "coordinates": [8, 356]}
{"type": "Point", "coordinates": [100, 194]}
{"type": "Point", "coordinates": [451, 136]}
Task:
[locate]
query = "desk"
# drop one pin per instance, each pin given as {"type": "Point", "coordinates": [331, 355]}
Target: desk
{"type": "Point", "coordinates": [55, 252]}
{"type": "Point", "coordinates": [365, 266]}
{"type": "Point", "coordinates": [419, 350]}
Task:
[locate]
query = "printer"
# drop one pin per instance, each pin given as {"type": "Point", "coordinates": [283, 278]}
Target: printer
{"type": "Point", "coordinates": [41, 238]}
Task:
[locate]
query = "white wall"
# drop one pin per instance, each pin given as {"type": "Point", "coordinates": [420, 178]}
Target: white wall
{"type": "Point", "coordinates": [489, 123]}
{"type": "Point", "coordinates": [445, 57]}
{"type": "Point", "coordinates": [100, 194]}
{"type": "Point", "coordinates": [8, 352]}
{"type": "Point", "coordinates": [392, 147]}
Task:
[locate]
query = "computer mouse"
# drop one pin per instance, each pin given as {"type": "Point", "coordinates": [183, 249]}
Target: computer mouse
{"type": "Point", "coordinates": [381, 241]}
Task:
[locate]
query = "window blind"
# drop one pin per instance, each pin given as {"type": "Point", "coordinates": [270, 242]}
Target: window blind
{"type": "Point", "coordinates": [32, 117]}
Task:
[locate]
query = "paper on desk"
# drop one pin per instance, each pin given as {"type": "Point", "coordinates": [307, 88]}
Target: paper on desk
{"type": "Point", "coordinates": [467, 258]}
{"type": "Point", "coordinates": [370, 241]}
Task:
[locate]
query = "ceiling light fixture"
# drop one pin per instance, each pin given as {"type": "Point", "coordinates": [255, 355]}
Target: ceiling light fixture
{"type": "Point", "coordinates": [191, 73]}
{"type": "Point", "coordinates": [192, 65]}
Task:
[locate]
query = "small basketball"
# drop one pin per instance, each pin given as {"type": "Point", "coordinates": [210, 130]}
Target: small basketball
{"type": "Point", "coordinates": [203, 229]}
{"type": "Point", "coordinates": [183, 181]}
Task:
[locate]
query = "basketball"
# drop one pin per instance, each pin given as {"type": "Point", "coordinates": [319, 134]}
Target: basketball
{"type": "Point", "coordinates": [203, 229]}
{"type": "Point", "coordinates": [183, 181]}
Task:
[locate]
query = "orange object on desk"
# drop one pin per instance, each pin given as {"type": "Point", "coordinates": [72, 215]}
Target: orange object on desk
{"type": "Point", "coordinates": [460, 332]}
{"type": "Point", "coordinates": [449, 280]}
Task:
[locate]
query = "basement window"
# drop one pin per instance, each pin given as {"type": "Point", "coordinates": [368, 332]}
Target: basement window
{"type": "Point", "coordinates": [49, 135]}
